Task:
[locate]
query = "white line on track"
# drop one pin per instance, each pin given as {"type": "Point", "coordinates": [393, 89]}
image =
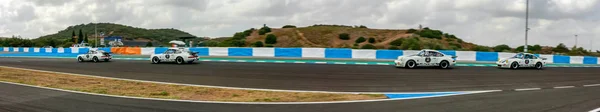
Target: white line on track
{"type": "Point", "coordinates": [279, 61]}
{"type": "Point", "coordinates": [361, 63]}
{"type": "Point", "coordinates": [299, 62]}
{"type": "Point", "coordinates": [595, 110]}
{"type": "Point", "coordinates": [320, 62]}
{"type": "Point", "coordinates": [223, 60]}
{"type": "Point", "coordinates": [339, 63]}
{"type": "Point", "coordinates": [241, 61]}
{"type": "Point", "coordinates": [205, 60]}
{"type": "Point", "coordinates": [590, 85]}
{"type": "Point", "coordinates": [563, 87]}
{"type": "Point", "coordinates": [527, 89]}
{"type": "Point", "coordinates": [261, 61]}
{"type": "Point", "coordinates": [382, 64]}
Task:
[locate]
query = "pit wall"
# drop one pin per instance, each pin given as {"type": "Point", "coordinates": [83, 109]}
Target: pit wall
{"type": "Point", "coordinates": [327, 53]}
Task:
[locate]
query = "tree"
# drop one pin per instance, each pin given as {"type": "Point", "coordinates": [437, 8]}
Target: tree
{"type": "Point", "coordinates": [271, 39]}
{"type": "Point", "coordinates": [289, 26]}
{"type": "Point", "coordinates": [362, 26]}
{"type": "Point", "coordinates": [85, 39]}
{"type": "Point", "coordinates": [561, 48]}
{"type": "Point", "coordinates": [258, 44]}
{"type": "Point", "coordinates": [73, 37]}
{"type": "Point", "coordinates": [149, 44]}
{"type": "Point", "coordinates": [344, 36]}
{"type": "Point", "coordinates": [368, 46]}
{"type": "Point", "coordinates": [80, 36]}
{"type": "Point", "coordinates": [264, 30]}
{"type": "Point", "coordinates": [500, 48]}
{"type": "Point", "coordinates": [480, 48]}
{"type": "Point", "coordinates": [397, 42]}
{"type": "Point", "coordinates": [393, 48]}
{"type": "Point", "coordinates": [536, 47]}
{"type": "Point", "coordinates": [371, 40]}
{"type": "Point", "coordinates": [411, 31]}
{"type": "Point", "coordinates": [360, 40]}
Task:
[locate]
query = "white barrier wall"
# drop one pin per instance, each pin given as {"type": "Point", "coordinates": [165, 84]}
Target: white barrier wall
{"type": "Point", "coordinates": [16, 49]}
{"type": "Point", "coordinates": [5, 49]}
{"type": "Point", "coordinates": [60, 50]}
{"type": "Point", "coordinates": [409, 52]}
{"type": "Point", "coordinates": [48, 50]}
{"type": "Point", "coordinates": [26, 50]}
{"type": "Point", "coordinates": [218, 51]}
{"type": "Point", "coordinates": [502, 55]}
{"type": "Point", "coordinates": [364, 54]}
{"type": "Point", "coordinates": [576, 60]}
{"type": "Point", "coordinates": [147, 51]}
{"type": "Point", "coordinates": [313, 52]}
{"type": "Point", "coordinates": [37, 50]}
{"type": "Point", "coordinates": [466, 55]}
{"type": "Point", "coordinates": [549, 58]}
{"type": "Point", "coordinates": [263, 52]}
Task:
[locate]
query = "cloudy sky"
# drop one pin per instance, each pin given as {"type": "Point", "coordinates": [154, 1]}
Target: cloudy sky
{"type": "Point", "coordinates": [486, 22]}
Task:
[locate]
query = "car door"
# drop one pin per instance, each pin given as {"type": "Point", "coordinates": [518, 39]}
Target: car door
{"type": "Point", "coordinates": [435, 58]}
{"type": "Point", "coordinates": [420, 58]}
{"type": "Point", "coordinates": [526, 61]}
{"type": "Point", "coordinates": [88, 56]}
{"type": "Point", "coordinates": [168, 55]}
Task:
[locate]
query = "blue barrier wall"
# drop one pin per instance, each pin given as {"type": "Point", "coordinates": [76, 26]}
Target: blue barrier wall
{"type": "Point", "coordinates": [54, 50]}
{"type": "Point", "coordinates": [42, 50]}
{"type": "Point", "coordinates": [201, 51]}
{"type": "Point", "coordinates": [388, 54]}
{"type": "Point", "coordinates": [239, 52]}
{"type": "Point", "coordinates": [83, 50]}
{"type": "Point", "coordinates": [288, 52]}
{"type": "Point", "coordinates": [590, 60]}
{"type": "Point", "coordinates": [561, 59]}
{"type": "Point", "coordinates": [486, 56]}
{"type": "Point", "coordinates": [67, 50]}
{"type": "Point", "coordinates": [160, 50]}
{"type": "Point", "coordinates": [338, 53]}
{"type": "Point", "coordinates": [21, 49]}
{"type": "Point", "coordinates": [10, 49]}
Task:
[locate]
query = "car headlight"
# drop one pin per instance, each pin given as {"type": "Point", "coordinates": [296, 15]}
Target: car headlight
{"type": "Point", "coordinates": [505, 61]}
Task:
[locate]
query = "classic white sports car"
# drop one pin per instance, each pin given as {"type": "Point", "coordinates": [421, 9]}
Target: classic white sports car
{"type": "Point", "coordinates": [178, 55]}
{"type": "Point", "coordinates": [426, 58]}
{"type": "Point", "coordinates": [95, 56]}
{"type": "Point", "coordinates": [522, 60]}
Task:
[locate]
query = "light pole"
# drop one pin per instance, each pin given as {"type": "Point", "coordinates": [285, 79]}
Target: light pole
{"type": "Point", "coordinates": [575, 40]}
{"type": "Point", "coordinates": [526, 23]}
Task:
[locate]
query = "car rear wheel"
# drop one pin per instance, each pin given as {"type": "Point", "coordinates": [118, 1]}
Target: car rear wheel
{"type": "Point", "coordinates": [539, 66]}
{"type": "Point", "coordinates": [444, 64]}
{"type": "Point", "coordinates": [79, 59]}
{"type": "Point", "coordinates": [155, 60]}
{"type": "Point", "coordinates": [179, 60]}
{"type": "Point", "coordinates": [106, 60]}
{"type": "Point", "coordinates": [95, 59]}
{"type": "Point", "coordinates": [514, 65]}
{"type": "Point", "coordinates": [411, 64]}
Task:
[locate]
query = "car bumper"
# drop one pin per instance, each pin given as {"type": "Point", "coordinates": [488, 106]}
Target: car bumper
{"type": "Point", "coordinates": [503, 65]}
{"type": "Point", "coordinates": [191, 59]}
{"type": "Point", "coordinates": [105, 58]}
{"type": "Point", "coordinates": [398, 63]}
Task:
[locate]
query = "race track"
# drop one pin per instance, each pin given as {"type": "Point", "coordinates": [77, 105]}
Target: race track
{"type": "Point", "coordinates": [322, 77]}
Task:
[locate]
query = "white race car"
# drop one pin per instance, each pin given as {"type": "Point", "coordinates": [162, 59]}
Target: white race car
{"type": "Point", "coordinates": [95, 56]}
{"type": "Point", "coordinates": [522, 60]}
{"type": "Point", "coordinates": [426, 58]}
{"type": "Point", "coordinates": [178, 55]}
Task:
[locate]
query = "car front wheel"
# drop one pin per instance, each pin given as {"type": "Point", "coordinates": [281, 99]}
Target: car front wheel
{"type": "Point", "coordinates": [95, 59]}
{"type": "Point", "coordinates": [79, 59]}
{"type": "Point", "coordinates": [155, 60]}
{"type": "Point", "coordinates": [514, 65]}
{"type": "Point", "coordinates": [411, 64]}
{"type": "Point", "coordinates": [444, 64]}
{"type": "Point", "coordinates": [179, 60]}
{"type": "Point", "coordinates": [539, 66]}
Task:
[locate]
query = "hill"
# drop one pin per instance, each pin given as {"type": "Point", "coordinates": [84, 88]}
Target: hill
{"type": "Point", "coordinates": [357, 37]}
{"type": "Point", "coordinates": [127, 32]}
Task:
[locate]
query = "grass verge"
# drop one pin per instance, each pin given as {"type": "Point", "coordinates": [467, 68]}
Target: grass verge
{"type": "Point", "coordinates": [166, 91]}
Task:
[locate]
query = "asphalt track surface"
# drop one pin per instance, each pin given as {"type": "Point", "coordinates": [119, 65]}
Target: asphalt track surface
{"type": "Point", "coordinates": [322, 77]}
{"type": "Point", "coordinates": [30, 99]}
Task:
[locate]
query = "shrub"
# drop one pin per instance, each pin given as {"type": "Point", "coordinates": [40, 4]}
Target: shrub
{"type": "Point", "coordinates": [411, 31]}
{"type": "Point", "coordinates": [264, 30]}
{"type": "Point", "coordinates": [289, 26]}
{"type": "Point", "coordinates": [269, 45]}
{"type": "Point", "coordinates": [360, 40]}
{"type": "Point", "coordinates": [368, 46]}
{"type": "Point", "coordinates": [371, 40]}
{"type": "Point", "coordinates": [149, 44]}
{"type": "Point", "coordinates": [411, 44]}
{"type": "Point", "coordinates": [344, 36]}
{"type": "Point", "coordinates": [362, 26]}
{"type": "Point", "coordinates": [248, 32]}
{"type": "Point", "coordinates": [258, 44]}
{"type": "Point", "coordinates": [500, 48]}
{"type": "Point", "coordinates": [271, 39]}
{"type": "Point", "coordinates": [480, 48]}
{"type": "Point", "coordinates": [397, 42]}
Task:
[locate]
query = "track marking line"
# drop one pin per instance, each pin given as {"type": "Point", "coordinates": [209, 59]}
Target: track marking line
{"type": "Point", "coordinates": [361, 63]}
{"type": "Point", "coordinates": [224, 60]}
{"type": "Point", "coordinates": [299, 62]}
{"type": "Point", "coordinates": [595, 110]}
{"type": "Point", "coordinates": [241, 61]}
{"type": "Point", "coordinates": [339, 63]}
{"type": "Point", "coordinates": [590, 85]}
{"type": "Point", "coordinates": [279, 61]}
{"type": "Point", "coordinates": [261, 61]}
{"type": "Point", "coordinates": [205, 60]}
{"type": "Point", "coordinates": [321, 62]}
{"type": "Point", "coordinates": [563, 87]}
{"type": "Point", "coordinates": [527, 89]}
{"type": "Point", "coordinates": [383, 64]}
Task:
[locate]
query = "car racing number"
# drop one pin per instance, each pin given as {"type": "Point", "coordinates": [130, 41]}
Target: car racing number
{"type": "Point", "coordinates": [427, 59]}
{"type": "Point", "coordinates": [87, 56]}
{"type": "Point", "coordinates": [526, 61]}
{"type": "Point", "coordinates": [167, 56]}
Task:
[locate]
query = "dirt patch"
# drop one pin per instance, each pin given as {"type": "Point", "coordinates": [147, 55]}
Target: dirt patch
{"type": "Point", "coordinates": [166, 91]}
